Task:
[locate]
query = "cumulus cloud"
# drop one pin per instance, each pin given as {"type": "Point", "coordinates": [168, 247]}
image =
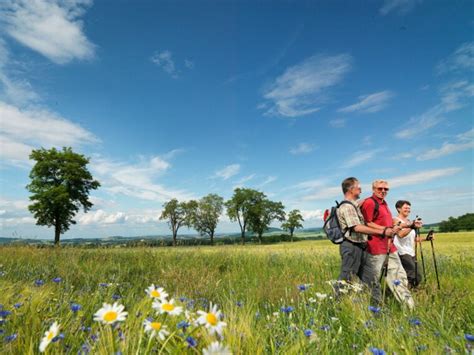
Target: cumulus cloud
{"type": "Point", "coordinates": [227, 172]}
{"type": "Point", "coordinates": [23, 130]}
{"type": "Point", "coordinates": [164, 60]}
{"type": "Point", "coordinates": [302, 88]}
{"type": "Point", "coordinates": [370, 103]}
{"type": "Point", "coordinates": [137, 180]}
{"type": "Point", "coordinates": [52, 28]}
{"type": "Point", "coordinates": [309, 215]}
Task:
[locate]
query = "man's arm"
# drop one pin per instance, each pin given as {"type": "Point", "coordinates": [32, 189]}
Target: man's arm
{"type": "Point", "coordinates": [368, 208]}
{"type": "Point", "coordinates": [366, 229]}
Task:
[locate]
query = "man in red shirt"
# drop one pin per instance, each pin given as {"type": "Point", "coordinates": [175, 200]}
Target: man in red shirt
{"type": "Point", "coordinates": [377, 215]}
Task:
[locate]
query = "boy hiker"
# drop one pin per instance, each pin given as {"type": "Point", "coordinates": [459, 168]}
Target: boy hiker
{"type": "Point", "coordinates": [378, 216]}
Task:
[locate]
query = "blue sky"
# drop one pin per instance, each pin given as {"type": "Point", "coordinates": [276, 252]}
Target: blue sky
{"type": "Point", "coordinates": [185, 98]}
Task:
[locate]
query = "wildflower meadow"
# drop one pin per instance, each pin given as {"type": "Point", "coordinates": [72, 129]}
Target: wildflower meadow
{"type": "Point", "coordinates": [225, 299]}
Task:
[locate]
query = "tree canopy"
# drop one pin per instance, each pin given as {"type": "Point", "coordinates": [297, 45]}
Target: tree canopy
{"type": "Point", "coordinates": [293, 222]}
{"type": "Point", "coordinates": [464, 222]}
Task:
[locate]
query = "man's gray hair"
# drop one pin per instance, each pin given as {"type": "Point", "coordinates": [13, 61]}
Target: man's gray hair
{"type": "Point", "coordinates": [376, 182]}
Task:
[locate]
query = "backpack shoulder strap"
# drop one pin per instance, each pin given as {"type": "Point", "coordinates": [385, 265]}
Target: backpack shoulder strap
{"type": "Point", "coordinates": [376, 209]}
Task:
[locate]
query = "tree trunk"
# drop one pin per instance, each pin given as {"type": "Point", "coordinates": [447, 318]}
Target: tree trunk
{"type": "Point", "coordinates": [242, 236]}
{"type": "Point", "coordinates": [57, 234]}
{"type": "Point", "coordinates": [175, 234]}
{"type": "Point", "coordinates": [291, 233]}
{"type": "Point", "coordinates": [260, 238]}
{"type": "Point", "coordinates": [212, 238]}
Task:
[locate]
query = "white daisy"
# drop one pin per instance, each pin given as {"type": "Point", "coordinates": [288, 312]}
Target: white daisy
{"type": "Point", "coordinates": [110, 314]}
{"type": "Point", "coordinates": [168, 307]}
{"type": "Point", "coordinates": [156, 328]}
{"type": "Point", "coordinates": [49, 336]}
{"type": "Point", "coordinates": [321, 296]}
{"type": "Point", "coordinates": [211, 320]}
{"type": "Point", "coordinates": [155, 292]}
{"type": "Point", "coordinates": [217, 348]}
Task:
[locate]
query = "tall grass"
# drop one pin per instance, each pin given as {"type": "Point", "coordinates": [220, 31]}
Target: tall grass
{"type": "Point", "coordinates": [250, 284]}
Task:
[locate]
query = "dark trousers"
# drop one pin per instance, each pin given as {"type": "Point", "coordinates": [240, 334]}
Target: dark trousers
{"type": "Point", "coordinates": [352, 260]}
{"type": "Point", "coordinates": [413, 275]}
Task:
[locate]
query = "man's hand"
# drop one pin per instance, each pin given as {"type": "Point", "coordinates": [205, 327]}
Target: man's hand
{"type": "Point", "coordinates": [396, 228]}
{"type": "Point", "coordinates": [430, 235]}
{"type": "Point", "coordinates": [389, 232]}
{"type": "Point", "coordinates": [418, 223]}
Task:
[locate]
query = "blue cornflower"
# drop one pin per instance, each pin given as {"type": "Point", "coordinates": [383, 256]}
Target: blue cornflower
{"type": "Point", "coordinates": [183, 325]}
{"type": "Point", "coordinates": [239, 304]}
{"type": "Point", "coordinates": [182, 299]}
{"type": "Point", "coordinates": [116, 297]}
{"type": "Point", "coordinates": [103, 284]}
{"type": "Point", "coordinates": [39, 282]}
{"type": "Point", "coordinates": [257, 315]}
{"type": "Point", "coordinates": [325, 327]}
{"type": "Point", "coordinates": [421, 347]}
{"type": "Point", "coordinates": [85, 349]}
{"type": "Point", "coordinates": [57, 338]}
{"type": "Point", "coordinates": [86, 329]}
{"type": "Point", "coordinates": [396, 282]}
{"type": "Point", "coordinates": [415, 321]}
{"type": "Point", "coordinates": [17, 305]}
{"type": "Point", "coordinates": [94, 337]}
{"type": "Point", "coordinates": [374, 309]}
{"type": "Point", "coordinates": [308, 332]}
{"type": "Point", "coordinates": [303, 287]}
{"type": "Point", "coordinates": [469, 337]}
{"type": "Point", "coordinates": [287, 310]}
{"type": "Point", "coordinates": [377, 351]}
{"type": "Point", "coordinates": [1, 331]}
{"type": "Point", "coordinates": [118, 353]}
{"type": "Point", "coordinates": [10, 338]}
{"type": "Point", "coordinates": [57, 279]}
{"type": "Point", "coordinates": [121, 335]}
{"type": "Point", "coordinates": [192, 343]}
{"type": "Point", "coordinates": [75, 307]}
{"type": "Point", "coordinates": [4, 313]}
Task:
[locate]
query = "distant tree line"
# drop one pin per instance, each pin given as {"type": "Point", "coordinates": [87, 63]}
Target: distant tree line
{"type": "Point", "coordinates": [251, 209]}
{"type": "Point", "coordinates": [462, 223]}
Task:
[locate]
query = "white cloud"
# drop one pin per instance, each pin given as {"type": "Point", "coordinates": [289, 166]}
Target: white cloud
{"type": "Point", "coordinates": [102, 217]}
{"type": "Point", "coordinates": [309, 215]}
{"type": "Point", "coordinates": [22, 130]}
{"type": "Point", "coordinates": [136, 180]}
{"type": "Point", "coordinates": [337, 123]}
{"type": "Point", "coordinates": [327, 192]}
{"type": "Point", "coordinates": [422, 176]}
{"type": "Point", "coordinates": [302, 148]}
{"type": "Point", "coordinates": [188, 64]}
{"type": "Point", "coordinates": [300, 90]}
{"type": "Point", "coordinates": [52, 28]}
{"type": "Point", "coordinates": [370, 103]}
{"type": "Point", "coordinates": [462, 59]}
{"type": "Point", "coordinates": [267, 181]}
{"type": "Point", "coordinates": [465, 141]}
{"type": "Point", "coordinates": [245, 179]}
{"type": "Point", "coordinates": [360, 157]}
{"type": "Point", "coordinates": [228, 171]}
{"type": "Point", "coordinates": [165, 61]}
{"type": "Point", "coordinates": [400, 6]}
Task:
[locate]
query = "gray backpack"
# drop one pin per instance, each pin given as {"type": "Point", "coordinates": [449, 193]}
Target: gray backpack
{"type": "Point", "coordinates": [331, 226]}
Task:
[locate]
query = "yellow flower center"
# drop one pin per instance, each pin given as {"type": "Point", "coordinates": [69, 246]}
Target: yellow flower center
{"type": "Point", "coordinates": [155, 293]}
{"type": "Point", "coordinates": [156, 325]}
{"type": "Point", "coordinates": [110, 316]}
{"type": "Point", "coordinates": [211, 319]}
{"type": "Point", "coordinates": [50, 336]}
{"type": "Point", "coordinates": [168, 307]}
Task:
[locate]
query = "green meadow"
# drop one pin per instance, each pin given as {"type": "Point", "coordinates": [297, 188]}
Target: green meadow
{"type": "Point", "coordinates": [257, 288]}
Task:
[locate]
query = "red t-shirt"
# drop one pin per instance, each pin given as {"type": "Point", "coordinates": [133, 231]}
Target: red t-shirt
{"type": "Point", "coordinates": [377, 244]}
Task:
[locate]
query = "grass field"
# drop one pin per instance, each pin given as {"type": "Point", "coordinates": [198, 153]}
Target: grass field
{"type": "Point", "coordinates": [255, 287]}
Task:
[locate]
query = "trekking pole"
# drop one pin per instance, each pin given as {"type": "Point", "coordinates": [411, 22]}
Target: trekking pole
{"type": "Point", "coordinates": [384, 272]}
{"type": "Point", "coordinates": [430, 238]}
{"type": "Point", "coordinates": [417, 236]}
{"type": "Point", "coordinates": [422, 261]}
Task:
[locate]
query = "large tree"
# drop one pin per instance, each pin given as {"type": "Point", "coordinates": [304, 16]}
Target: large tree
{"type": "Point", "coordinates": [178, 214]}
{"type": "Point", "coordinates": [262, 213]}
{"type": "Point", "coordinates": [60, 186]}
{"type": "Point", "coordinates": [206, 213]}
{"type": "Point", "coordinates": [238, 207]}
{"type": "Point", "coordinates": [293, 222]}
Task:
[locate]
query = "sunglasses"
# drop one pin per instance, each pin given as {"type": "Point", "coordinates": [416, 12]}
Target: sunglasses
{"type": "Point", "coordinates": [382, 188]}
